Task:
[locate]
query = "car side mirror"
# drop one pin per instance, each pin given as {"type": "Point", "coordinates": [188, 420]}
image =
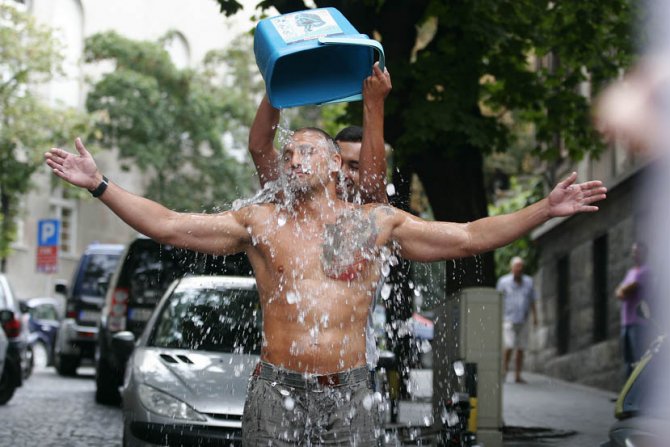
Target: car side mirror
{"type": "Point", "coordinates": [123, 344]}
{"type": "Point", "coordinates": [61, 287]}
{"type": "Point", "coordinates": [6, 316]}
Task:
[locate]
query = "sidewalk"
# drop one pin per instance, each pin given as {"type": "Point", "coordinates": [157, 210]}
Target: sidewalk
{"type": "Point", "coordinates": [541, 413]}
{"type": "Point", "coordinates": [563, 407]}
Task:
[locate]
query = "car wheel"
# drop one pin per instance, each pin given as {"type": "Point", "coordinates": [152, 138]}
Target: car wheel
{"type": "Point", "coordinates": [66, 365]}
{"type": "Point", "coordinates": [7, 385]}
{"type": "Point", "coordinates": [40, 356]}
{"type": "Point", "coordinates": [106, 388]}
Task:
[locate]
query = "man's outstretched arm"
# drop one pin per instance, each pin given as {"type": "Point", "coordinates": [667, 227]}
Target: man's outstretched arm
{"type": "Point", "coordinates": [372, 163]}
{"type": "Point", "coordinates": [223, 233]}
{"type": "Point", "coordinates": [261, 140]}
{"type": "Point", "coordinates": [425, 241]}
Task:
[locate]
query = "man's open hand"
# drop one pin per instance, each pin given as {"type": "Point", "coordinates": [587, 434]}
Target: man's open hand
{"type": "Point", "coordinates": [569, 198]}
{"type": "Point", "coordinates": [79, 170]}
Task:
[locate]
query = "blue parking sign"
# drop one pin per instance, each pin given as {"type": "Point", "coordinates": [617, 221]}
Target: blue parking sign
{"type": "Point", "coordinates": [48, 232]}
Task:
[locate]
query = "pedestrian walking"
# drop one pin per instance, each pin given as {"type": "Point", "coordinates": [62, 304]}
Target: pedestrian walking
{"type": "Point", "coordinates": [518, 292]}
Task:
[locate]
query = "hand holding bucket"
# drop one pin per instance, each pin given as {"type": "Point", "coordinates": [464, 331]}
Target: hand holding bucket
{"type": "Point", "coordinates": [313, 57]}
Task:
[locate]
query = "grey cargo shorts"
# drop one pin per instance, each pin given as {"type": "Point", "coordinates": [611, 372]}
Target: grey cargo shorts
{"type": "Point", "coordinates": [285, 408]}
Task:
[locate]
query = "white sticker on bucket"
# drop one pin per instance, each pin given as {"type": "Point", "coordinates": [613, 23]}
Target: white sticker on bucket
{"type": "Point", "coordinates": [305, 25]}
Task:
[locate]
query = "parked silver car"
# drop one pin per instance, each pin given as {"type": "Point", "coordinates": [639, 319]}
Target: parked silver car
{"type": "Point", "coordinates": [18, 361]}
{"type": "Point", "coordinates": [187, 376]}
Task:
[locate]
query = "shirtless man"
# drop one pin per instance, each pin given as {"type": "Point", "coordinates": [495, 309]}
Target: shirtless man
{"type": "Point", "coordinates": [316, 260]}
{"type": "Point", "coordinates": [363, 157]}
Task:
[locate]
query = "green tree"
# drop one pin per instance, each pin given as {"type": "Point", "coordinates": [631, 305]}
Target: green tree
{"type": "Point", "coordinates": [29, 55]}
{"type": "Point", "coordinates": [177, 124]}
{"type": "Point", "coordinates": [521, 194]}
{"type": "Point", "coordinates": [461, 67]}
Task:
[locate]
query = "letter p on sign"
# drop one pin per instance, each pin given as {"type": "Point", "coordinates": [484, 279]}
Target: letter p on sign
{"type": "Point", "coordinates": [48, 232]}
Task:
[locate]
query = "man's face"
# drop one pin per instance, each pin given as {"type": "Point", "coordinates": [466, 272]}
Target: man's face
{"type": "Point", "coordinates": [517, 268]}
{"type": "Point", "coordinates": [351, 153]}
{"type": "Point", "coordinates": [308, 162]}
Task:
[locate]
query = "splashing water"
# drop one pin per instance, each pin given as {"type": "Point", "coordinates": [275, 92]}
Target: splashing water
{"type": "Point", "coordinates": [267, 194]}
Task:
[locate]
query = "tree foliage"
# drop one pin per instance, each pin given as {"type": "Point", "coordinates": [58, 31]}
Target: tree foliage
{"type": "Point", "coordinates": [29, 56]}
{"type": "Point", "coordinates": [177, 124]}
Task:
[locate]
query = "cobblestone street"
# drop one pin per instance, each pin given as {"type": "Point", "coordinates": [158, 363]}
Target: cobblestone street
{"type": "Point", "coordinates": [50, 410]}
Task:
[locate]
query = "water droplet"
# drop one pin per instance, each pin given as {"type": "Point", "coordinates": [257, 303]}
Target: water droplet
{"type": "Point", "coordinates": [289, 403]}
{"type": "Point", "coordinates": [390, 190]}
{"type": "Point", "coordinates": [367, 402]}
{"type": "Point", "coordinates": [281, 220]}
{"type": "Point", "coordinates": [386, 291]}
{"type": "Point", "coordinates": [459, 368]}
{"type": "Point", "coordinates": [292, 297]}
{"type": "Point", "coordinates": [386, 269]}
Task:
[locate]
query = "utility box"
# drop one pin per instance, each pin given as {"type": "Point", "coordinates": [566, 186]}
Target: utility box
{"type": "Point", "coordinates": [468, 328]}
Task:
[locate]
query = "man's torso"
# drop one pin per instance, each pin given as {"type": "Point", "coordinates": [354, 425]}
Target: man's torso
{"type": "Point", "coordinates": [316, 279]}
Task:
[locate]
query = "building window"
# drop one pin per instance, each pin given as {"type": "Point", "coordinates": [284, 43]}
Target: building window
{"type": "Point", "coordinates": [563, 306]}
{"type": "Point", "coordinates": [600, 317]}
{"type": "Point", "coordinates": [64, 209]}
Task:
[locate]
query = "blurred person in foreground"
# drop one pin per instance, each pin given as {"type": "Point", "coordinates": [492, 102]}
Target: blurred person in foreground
{"type": "Point", "coordinates": [518, 293]}
{"type": "Point", "coordinates": [635, 111]}
{"type": "Point", "coordinates": [317, 261]}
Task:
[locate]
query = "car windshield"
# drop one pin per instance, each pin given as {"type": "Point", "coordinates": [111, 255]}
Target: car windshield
{"type": "Point", "coordinates": [210, 319]}
{"type": "Point", "coordinates": [98, 266]}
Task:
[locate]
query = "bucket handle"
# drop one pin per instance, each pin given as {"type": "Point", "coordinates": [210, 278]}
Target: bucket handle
{"type": "Point", "coordinates": [354, 41]}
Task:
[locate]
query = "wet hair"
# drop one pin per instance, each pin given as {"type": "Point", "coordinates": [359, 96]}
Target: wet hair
{"type": "Point", "coordinates": [350, 134]}
{"type": "Point", "coordinates": [332, 146]}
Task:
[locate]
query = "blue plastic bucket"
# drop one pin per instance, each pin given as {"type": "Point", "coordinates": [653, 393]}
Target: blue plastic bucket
{"type": "Point", "coordinates": [313, 57]}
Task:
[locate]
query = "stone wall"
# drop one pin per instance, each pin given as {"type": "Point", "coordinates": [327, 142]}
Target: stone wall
{"type": "Point", "coordinates": [586, 360]}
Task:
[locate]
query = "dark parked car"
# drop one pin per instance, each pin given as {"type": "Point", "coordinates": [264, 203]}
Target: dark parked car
{"type": "Point", "coordinates": [44, 315]}
{"type": "Point", "coordinates": [187, 378]}
{"type": "Point", "coordinates": [145, 272]}
{"type": "Point", "coordinates": [18, 363]}
{"type": "Point", "coordinates": [78, 332]}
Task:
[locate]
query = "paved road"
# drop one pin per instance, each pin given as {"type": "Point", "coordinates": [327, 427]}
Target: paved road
{"type": "Point", "coordinates": [50, 410]}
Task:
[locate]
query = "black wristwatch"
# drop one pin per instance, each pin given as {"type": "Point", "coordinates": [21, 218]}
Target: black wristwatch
{"type": "Point", "coordinates": [102, 187]}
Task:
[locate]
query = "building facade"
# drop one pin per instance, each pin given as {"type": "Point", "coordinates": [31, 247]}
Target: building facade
{"type": "Point", "coordinates": [582, 260]}
{"type": "Point", "coordinates": [199, 27]}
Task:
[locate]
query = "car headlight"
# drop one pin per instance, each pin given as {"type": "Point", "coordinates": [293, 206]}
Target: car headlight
{"type": "Point", "coordinates": [165, 405]}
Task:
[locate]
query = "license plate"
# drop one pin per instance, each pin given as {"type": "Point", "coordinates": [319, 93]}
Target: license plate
{"type": "Point", "coordinates": [139, 314]}
{"type": "Point", "coordinates": [89, 316]}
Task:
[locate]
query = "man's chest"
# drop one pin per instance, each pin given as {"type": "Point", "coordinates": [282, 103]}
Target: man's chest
{"type": "Point", "coordinates": [341, 249]}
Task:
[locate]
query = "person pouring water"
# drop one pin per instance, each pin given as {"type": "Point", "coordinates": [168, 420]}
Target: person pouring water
{"type": "Point", "coordinates": [317, 261]}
